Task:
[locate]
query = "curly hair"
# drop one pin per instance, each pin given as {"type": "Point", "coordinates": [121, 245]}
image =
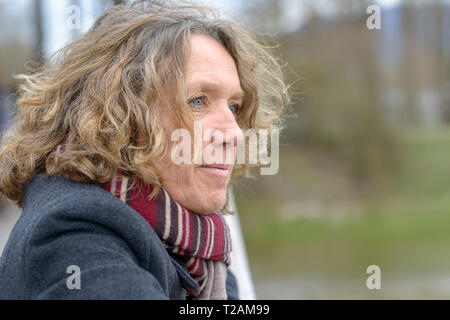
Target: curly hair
{"type": "Point", "coordinates": [103, 95]}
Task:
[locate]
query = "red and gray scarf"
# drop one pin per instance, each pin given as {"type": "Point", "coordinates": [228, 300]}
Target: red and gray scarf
{"type": "Point", "coordinates": [203, 240]}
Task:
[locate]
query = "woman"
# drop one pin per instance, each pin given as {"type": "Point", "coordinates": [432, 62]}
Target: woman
{"type": "Point", "coordinates": [106, 212]}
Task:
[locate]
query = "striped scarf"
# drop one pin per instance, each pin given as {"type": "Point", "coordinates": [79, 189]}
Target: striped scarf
{"type": "Point", "coordinates": [203, 241]}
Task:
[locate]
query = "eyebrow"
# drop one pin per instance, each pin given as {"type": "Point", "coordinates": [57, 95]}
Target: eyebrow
{"type": "Point", "coordinates": [211, 85]}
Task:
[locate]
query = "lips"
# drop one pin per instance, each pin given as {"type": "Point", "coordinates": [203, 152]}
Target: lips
{"type": "Point", "coordinates": [222, 170]}
{"type": "Point", "coordinates": [217, 166]}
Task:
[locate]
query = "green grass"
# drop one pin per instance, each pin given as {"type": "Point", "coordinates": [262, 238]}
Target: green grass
{"type": "Point", "coordinates": [311, 217]}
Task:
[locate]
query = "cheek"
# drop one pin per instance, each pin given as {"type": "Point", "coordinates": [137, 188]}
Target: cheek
{"type": "Point", "coordinates": [191, 187]}
{"type": "Point", "coordinates": [179, 176]}
{"type": "Point", "coordinates": [176, 179]}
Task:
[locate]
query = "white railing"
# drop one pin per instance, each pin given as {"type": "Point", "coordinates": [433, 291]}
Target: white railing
{"type": "Point", "coordinates": [239, 263]}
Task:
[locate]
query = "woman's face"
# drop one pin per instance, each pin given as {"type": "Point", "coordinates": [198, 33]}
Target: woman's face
{"type": "Point", "coordinates": [214, 93]}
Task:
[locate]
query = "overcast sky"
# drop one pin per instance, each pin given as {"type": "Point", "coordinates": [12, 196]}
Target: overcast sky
{"type": "Point", "coordinates": [19, 16]}
{"type": "Point", "coordinates": [294, 15]}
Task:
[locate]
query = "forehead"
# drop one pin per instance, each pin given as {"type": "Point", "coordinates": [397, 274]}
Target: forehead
{"type": "Point", "coordinates": [209, 62]}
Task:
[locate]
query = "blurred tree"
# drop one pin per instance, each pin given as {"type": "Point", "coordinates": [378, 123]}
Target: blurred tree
{"type": "Point", "coordinates": [264, 15]}
{"type": "Point", "coordinates": [340, 83]}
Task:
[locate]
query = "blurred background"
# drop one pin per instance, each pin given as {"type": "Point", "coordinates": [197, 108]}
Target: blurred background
{"type": "Point", "coordinates": [364, 173]}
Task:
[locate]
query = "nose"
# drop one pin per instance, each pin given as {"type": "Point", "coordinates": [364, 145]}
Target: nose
{"type": "Point", "coordinates": [226, 127]}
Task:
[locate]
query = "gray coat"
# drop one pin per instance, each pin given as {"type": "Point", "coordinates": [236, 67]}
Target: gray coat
{"type": "Point", "coordinates": [66, 223]}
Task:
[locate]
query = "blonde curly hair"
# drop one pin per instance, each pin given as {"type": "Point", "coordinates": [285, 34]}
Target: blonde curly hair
{"type": "Point", "coordinates": [102, 94]}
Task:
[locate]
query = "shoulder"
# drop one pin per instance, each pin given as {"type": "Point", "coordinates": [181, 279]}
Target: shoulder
{"type": "Point", "coordinates": [61, 214]}
{"type": "Point", "coordinates": [60, 200]}
{"type": "Point", "coordinates": [45, 194]}
{"type": "Point", "coordinates": [54, 205]}
{"type": "Point", "coordinates": [67, 223]}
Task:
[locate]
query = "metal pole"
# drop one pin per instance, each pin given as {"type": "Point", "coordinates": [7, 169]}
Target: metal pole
{"type": "Point", "coordinates": [39, 32]}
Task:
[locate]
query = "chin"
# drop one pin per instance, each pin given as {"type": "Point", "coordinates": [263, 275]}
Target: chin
{"type": "Point", "coordinates": [211, 204]}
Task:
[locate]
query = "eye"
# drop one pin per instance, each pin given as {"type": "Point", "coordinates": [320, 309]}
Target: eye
{"type": "Point", "coordinates": [197, 102]}
{"type": "Point", "coordinates": [234, 108]}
